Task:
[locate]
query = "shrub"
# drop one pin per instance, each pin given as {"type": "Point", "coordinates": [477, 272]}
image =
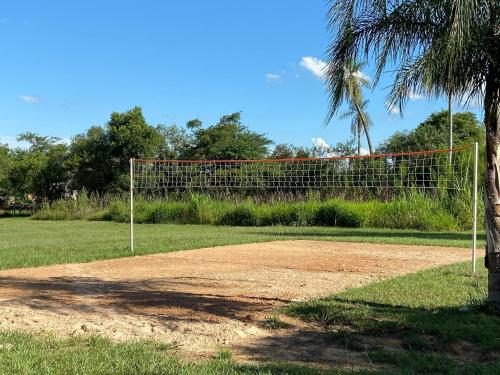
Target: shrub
{"type": "Point", "coordinates": [163, 213]}
{"type": "Point", "coordinates": [200, 210]}
{"type": "Point", "coordinates": [277, 214]}
{"type": "Point", "coordinates": [64, 209]}
{"type": "Point", "coordinates": [459, 204]}
{"type": "Point", "coordinates": [414, 211]}
{"type": "Point", "coordinates": [83, 207]}
{"type": "Point", "coordinates": [307, 212]}
{"type": "Point", "coordinates": [118, 211]}
{"type": "Point", "coordinates": [101, 215]}
{"type": "Point", "coordinates": [241, 215]}
{"type": "Point", "coordinates": [340, 213]}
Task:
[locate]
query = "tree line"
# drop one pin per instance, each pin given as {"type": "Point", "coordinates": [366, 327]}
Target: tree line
{"type": "Point", "coordinates": [97, 160]}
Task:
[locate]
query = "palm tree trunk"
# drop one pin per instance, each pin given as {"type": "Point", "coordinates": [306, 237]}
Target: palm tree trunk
{"type": "Point", "coordinates": [359, 138]}
{"type": "Point", "coordinates": [368, 139]}
{"type": "Point", "coordinates": [365, 128]}
{"type": "Point", "coordinates": [492, 186]}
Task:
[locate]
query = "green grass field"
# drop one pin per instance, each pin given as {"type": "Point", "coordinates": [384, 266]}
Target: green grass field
{"type": "Point", "coordinates": [31, 355]}
{"type": "Point", "coordinates": [422, 312]}
{"type": "Point", "coordinates": [28, 243]}
{"type": "Point", "coordinates": [437, 317]}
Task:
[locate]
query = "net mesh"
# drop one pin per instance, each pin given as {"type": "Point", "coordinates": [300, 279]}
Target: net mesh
{"type": "Point", "coordinates": [441, 169]}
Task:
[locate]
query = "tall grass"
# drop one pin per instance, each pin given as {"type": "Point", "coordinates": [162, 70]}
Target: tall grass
{"type": "Point", "coordinates": [84, 207]}
{"type": "Point", "coordinates": [413, 210]}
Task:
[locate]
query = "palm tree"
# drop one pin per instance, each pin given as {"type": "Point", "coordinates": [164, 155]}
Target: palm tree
{"type": "Point", "coordinates": [350, 90]}
{"type": "Point", "coordinates": [358, 120]}
{"type": "Point", "coordinates": [436, 47]}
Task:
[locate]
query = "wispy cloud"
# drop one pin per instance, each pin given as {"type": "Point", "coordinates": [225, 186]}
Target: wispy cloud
{"type": "Point", "coordinates": [320, 143]}
{"type": "Point", "coordinates": [415, 96]}
{"type": "Point", "coordinates": [30, 99]}
{"type": "Point", "coordinates": [272, 77]}
{"type": "Point", "coordinates": [68, 104]}
{"type": "Point", "coordinates": [318, 68]}
{"type": "Point", "coordinates": [362, 75]}
{"type": "Point", "coordinates": [314, 65]}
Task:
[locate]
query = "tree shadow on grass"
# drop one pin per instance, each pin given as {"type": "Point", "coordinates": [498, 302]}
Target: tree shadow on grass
{"type": "Point", "coordinates": [418, 340]}
{"type": "Point", "coordinates": [445, 325]}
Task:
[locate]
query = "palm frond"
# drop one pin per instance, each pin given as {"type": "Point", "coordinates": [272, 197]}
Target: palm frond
{"type": "Point", "coordinates": [437, 46]}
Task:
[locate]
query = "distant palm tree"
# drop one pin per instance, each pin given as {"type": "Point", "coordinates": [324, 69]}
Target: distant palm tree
{"type": "Point", "coordinates": [353, 80]}
{"type": "Point", "coordinates": [358, 119]}
{"type": "Point", "coordinates": [436, 47]}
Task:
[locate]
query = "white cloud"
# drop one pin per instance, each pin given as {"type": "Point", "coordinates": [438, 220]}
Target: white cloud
{"type": "Point", "coordinates": [271, 77]}
{"type": "Point", "coordinates": [314, 65]}
{"type": "Point", "coordinates": [360, 74]}
{"type": "Point", "coordinates": [318, 68]}
{"type": "Point", "coordinates": [320, 143]}
{"type": "Point", "coordinates": [415, 96]}
{"type": "Point", "coordinates": [364, 151]}
{"type": "Point", "coordinates": [30, 99]}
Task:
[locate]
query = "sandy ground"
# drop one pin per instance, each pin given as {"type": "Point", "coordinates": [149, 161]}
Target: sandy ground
{"type": "Point", "coordinates": [206, 299]}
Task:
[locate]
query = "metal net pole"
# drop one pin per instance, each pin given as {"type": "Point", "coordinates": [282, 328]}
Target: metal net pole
{"type": "Point", "coordinates": [132, 205]}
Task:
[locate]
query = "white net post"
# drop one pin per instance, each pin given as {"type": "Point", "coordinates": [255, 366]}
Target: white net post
{"type": "Point", "coordinates": [132, 205]}
{"type": "Point", "coordinates": [474, 209]}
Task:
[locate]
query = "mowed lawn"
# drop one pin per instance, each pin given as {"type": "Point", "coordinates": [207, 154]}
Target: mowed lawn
{"type": "Point", "coordinates": [27, 243]}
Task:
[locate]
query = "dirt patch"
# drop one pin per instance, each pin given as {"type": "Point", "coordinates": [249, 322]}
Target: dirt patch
{"type": "Point", "coordinates": [208, 298]}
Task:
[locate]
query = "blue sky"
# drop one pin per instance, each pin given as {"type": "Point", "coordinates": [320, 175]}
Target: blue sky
{"type": "Point", "coordinates": [67, 65]}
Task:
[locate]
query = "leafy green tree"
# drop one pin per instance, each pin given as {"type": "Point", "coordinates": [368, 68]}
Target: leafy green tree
{"type": "Point", "coordinates": [41, 170]}
{"type": "Point", "coordinates": [194, 124]}
{"type": "Point", "coordinates": [130, 136]}
{"type": "Point", "coordinates": [346, 148]}
{"type": "Point", "coordinates": [6, 161]}
{"type": "Point", "coordinates": [176, 140]}
{"type": "Point", "coordinates": [92, 159]}
{"type": "Point", "coordinates": [437, 47]}
{"type": "Point", "coordinates": [286, 151]}
{"type": "Point", "coordinates": [283, 151]}
{"type": "Point", "coordinates": [343, 148]}
{"type": "Point", "coordinates": [433, 132]}
{"type": "Point", "coordinates": [54, 176]}
{"type": "Point", "coordinates": [102, 154]}
{"type": "Point", "coordinates": [303, 152]}
{"type": "Point", "coordinates": [229, 139]}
